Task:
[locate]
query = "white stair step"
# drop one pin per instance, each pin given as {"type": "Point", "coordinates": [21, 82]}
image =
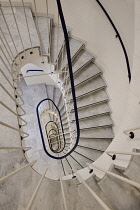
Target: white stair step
{"type": "Point", "coordinates": [54, 51]}
{"type": "Point", "coordinates": [19, 187]}
{"type": "Point", "coordinates": [88, 201]}
{"type": "Point", "coordinates": [23, 27]}
{"type": "Point", "coordinates": [50, 93]}
{"type": "Point", "coordinates": [92, 98]}
{"type": "Point", "coordinates": [32, 154]}
{"type": "Point", "coordinates": [72, 197]}
{"type": "Point", "coordinates": [57, 96]}
{"type": "Point", "coordinates": [75, 47]}
{"type": "Point", "coordinates": [82, 160]}
{"type": "Point", "coordinates": [19, 13]}
{"type": "Point", "coordinates": [12, 27]}
{"type": "Point", "coordinates": [53, 166]}
{"type": "Point", "coordinates": [121, 195]}
{"type": "Point", "coordinates": [89, 86]}
{"type": "Point", "coordinates": [81, 60]}
{"type": "Point", "coordinates": [133, 169]}
{"type": "Point", "coordinates": [86, 73]}
{"type": "Point", "coordinates": [11, 161]}
{"type": "Point", "coordinates": [8, 203]}
{"type": "Point", "coordinates": [100, 144]}
{"type": "Point", "coordinates": [92, 110]}
{"type": "Point", "coordinates": [99, 132]}
{"type": "Point", "coordinates": [61, 103]}
{"type": "Point", "coordinates": [90, 155]}
{"type": "Point", "coordinates": [44, 33]}
{"type": "Point", "coordinates": [95, 121]}
{"type": "Point", "coordinates": [75, 166]}
{"type": "Point", "coordinates": [66, 166]}
{"type": "Point", "coordinates": [51, 198]}
{"type": "Point", "coordinates": [62, 110]}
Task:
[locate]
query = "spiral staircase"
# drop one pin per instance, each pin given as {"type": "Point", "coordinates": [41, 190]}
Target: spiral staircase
{"type": "Point", "coordinates": [56, 123]}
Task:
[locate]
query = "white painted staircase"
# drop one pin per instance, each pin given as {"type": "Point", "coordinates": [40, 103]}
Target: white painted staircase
{"type": "Point", "coordinates": [95, 121]}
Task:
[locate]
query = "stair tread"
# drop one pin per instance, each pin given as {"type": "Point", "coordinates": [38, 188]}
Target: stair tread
{"type": "Point", "coordinates": [57, 96]}
{"type": "Point", "coordinates": [99, 144]}
{"type": "Point", "coordinates": [50, 93]}
{"type": "Point", "coordinates": [124, 194]}
{"type": "Point", "coordinates": [44, 33]}
{"type": "Point", "coordinates": [72, 196]}
{"type": "Point", "coordinates": [90, 155]}
{"type": "Point", "coordinates": [99, 132]}
{"type": "Point", "coordinates": [92, 98]}
{"type": "Point", "coordinates": [95, 121]}
{"type": "Point", "coordinates": [73, 163]}
{"type": "Point", "coordinates": [54, 51]}
{"type": "Point", "coordinates": [82, 160]}
{"type": "Point", "coordinates": [80, 63]}
{"type": "Point", "coordinates": [88, 201]}
{"type": "Point", "coordinates": [49, 198]}
{"type": "Point", "coordinates": [84, 88]}
{"type": "Point", "coordinates": [81, 59]}
{"type": "Point", "coordinates": [22, 184]}
{"type": "Point", "coordinates": [22, 28]}
{"type": "Point", "coordinates": [67, 168]}
{"type": "Point", "coordinates": [86, 73]}
{"type": "Point", "coordinates": [133, 169]}
{"type": "Point", "coordinates": [61, 103]}
{"type": "Point", "coordinates": [75, 46]}
{"type": "Point", "coordinates": [93, 110]}
{"type": "Point", "coordinates": [53, 166]}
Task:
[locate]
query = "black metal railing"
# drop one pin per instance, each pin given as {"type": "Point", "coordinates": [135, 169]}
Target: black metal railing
{"type": "Point", "coordinates": [53, 134]}
{"type": "Point", "coordinates": [67, 47]}
{"type": "Point", "coordinates": [34, 70]}
{"type": "Point", "coordinates": [74, 103]}
{"type": "Point", "coordinates": [41, 132]}
{"type": "Point", "coordinates": [119, 37]}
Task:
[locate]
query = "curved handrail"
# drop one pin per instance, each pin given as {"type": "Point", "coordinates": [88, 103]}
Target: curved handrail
{"type": "Point", "coordinates": [41, 133]}
{"type": "Point", "coordinates": [119, 37]}
{"type": "Point", "coordinates": [34, 70]}
{"type": "Point", "coordinates": [70, 72]}
{"type": "Point", "coordinates": [55, 151]}
{"type": "Point", "coordinates": [48, 135]}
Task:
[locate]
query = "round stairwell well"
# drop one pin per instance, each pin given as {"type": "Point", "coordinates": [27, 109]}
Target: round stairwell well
{"type": "Point", "coordinates": [39, 122]}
